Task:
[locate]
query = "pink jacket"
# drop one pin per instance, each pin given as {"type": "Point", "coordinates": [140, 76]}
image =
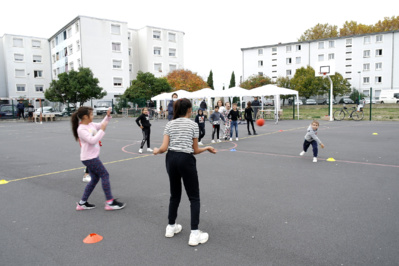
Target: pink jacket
{"type": "Point", "coordinates": [89, 137]}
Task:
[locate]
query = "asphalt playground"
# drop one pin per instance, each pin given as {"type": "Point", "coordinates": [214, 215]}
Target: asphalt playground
{"type": "Point", "coordinates": [261, 203]}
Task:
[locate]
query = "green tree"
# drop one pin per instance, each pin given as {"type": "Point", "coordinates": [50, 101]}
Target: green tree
{"type": "Point", "coordinates": [284, 82]}
{"type": "Point", "coordinates": [232, 80]}
{"type": "Point", "coordinates": [145, 86]}
{"type": "Point", "coordinates": [320, 31]}
{"type": "Point", "coordinates": [340, 85]}
{"type": "Point", "coordinates": [355, 95]}
{"type": "Point", "coordinates": [75, 87]}
{"type": "Point", "coordinates": [210, 80]}
{"type": "Point", "coordinates": [255, 81]}
{"type": "Point", "coordinates": [305, 82]}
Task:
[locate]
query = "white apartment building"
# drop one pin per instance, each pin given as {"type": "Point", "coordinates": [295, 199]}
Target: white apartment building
{"type": "Point", "coordinates": [366, 61]}
{"type": "Point", "coordinates": [109, 48]}
{"type": "Point", "coordinates": [25, 69]}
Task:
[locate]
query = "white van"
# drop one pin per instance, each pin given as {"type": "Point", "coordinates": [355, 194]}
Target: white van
{"type": "Point", "coordinates": [389, 96]}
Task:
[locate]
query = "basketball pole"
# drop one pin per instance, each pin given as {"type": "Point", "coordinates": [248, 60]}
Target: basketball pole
{"type": "Point", "coordinates": [331, 98]}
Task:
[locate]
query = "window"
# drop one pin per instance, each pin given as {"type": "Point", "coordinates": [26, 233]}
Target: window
{"type": "Point", "coordinates": [39, 88]}
{"type": "Point", "coordinates": [56, 40]}
{"type": "Point", "coordinates": [260, 73]}
{"type": "Point", "coordinates": [288, 72]}
{"type": "Point", "coordinates": [20, 87]}
{"type": "Point", "coordinates": [172, 37]}
{"type": "Point", "coordinates": [117, 64]}
{"type": "Point", "coordinates": [128, 35]}
{"type": "Point", "coordinates": [321, 45]}
{"type": "Point", "coordinates": [288, 48]}
{"type": "Point", "coordinates": [288, 60]}
{"type": "Point", "coordinates": [348, 41]}
{"type": "Point", "coordinates": [65, 51]}
{"type": "Point", "coordinates": [130, 51]}
{"type": "Point", "coordinates": [57, 56]}
{"type": "Point", "coordinates": [378, 66]}
{"type": "Point", "coordinates": [260, 63]}
{"type": "Point", "coordinates": [77, 26]}
{"type": "Point", "coordinates": [158, 67]}
{"type": "Point", "coordinates": [70, 48]}
{"type": "Point", "coordinates": [260, 51]}
{"type": "Point", "coordinates": [18, 57]}
{"type": "Point", "coordinates": [378, 52]}
{"type": "Point", "coordinates": [71, 66]}
{"type": "Point", "coordinates": [18, 42]}
{"type": "Point", "coordinates": [77, 45]}
{"type": "Point", "coordinates": [366, 40]}
{"type": "Point", "coordinates": [116, 47]}
{"type": "Point", "coordinates": [69, 32]}
{"type": "Point", "coordinates": [65, 34]}
{"type": "Point", "coordinates": [298, 47]}
{"type": "Point", "coordinates": [366, 67]}
{"type": "Point", "coordinates": [298, 60]}
{"type": "Point", "coordinates": [115, 29]}
{"type": "Point", "coordinates": [52, 43]}
{"type": "Point", "coordinates": [366, 80]}
{"type": "Point", "coordinates": [156, 34]}
{"type": "Point", "coordinates": [366, 53]}
{"type": "Point", "coordinates": [79, 64]}
{"type": "Point", "coordinates": [157, 50]}
{"type": "Point", "coordinates": [38, 74]}
{"type": "Point", "coordinates": [172, 68]}
{"type": "Point", "coordinates": [331, 44]}
{"type": "Point", "coordinates": [130, 67]}
{"type": "Point", "coordinates": [36, 43]}
{"type": "Point", "coordinates": [378, 80]}
{"type": "Point", "coordinates": [321, 57]}
{"type": "Point", "coordinates": [378, 38]}
{"type": "Point", "coordinates": [274, 50]}
{"type": "Point", "coordinates": [331, 56]}
{"type": "Point", "coordinates": [37, 59]}
{"type": "Point", "coordinates": [20, 73]}
{"type": "Point", "coordinates": [172, 52]}
{"type": "Point", "coordinates": [53, 58]}
{"type": "Point", "coordinates": [118, 82]}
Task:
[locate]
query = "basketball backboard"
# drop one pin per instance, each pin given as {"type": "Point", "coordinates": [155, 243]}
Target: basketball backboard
{"type": "Point", "coordinates": [324, 68]}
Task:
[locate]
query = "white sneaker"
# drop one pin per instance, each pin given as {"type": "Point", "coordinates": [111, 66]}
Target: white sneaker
{"type": "Point", "coordinates": [200, 143]}
{"type": "Point", "coordinates": [150, 150]}
{"type": "Point", "coordinates": [302, 153]}
{"type": "Point", "coordinates": [314, 159]}
{"type": "Point", "coordinates": [236, 139]}
{"type": "Point", "coordinates": [86, 178]}
{"type": "Point", "coordinates": [172, 230]}
{"type": "Point", "coordinates": [141, 151]}
{"type": "Point", "coordinates": [231, 139]}
{"type": "Point", "coordinates": [212, 141]}
{"type": "Point", "coordinates": [219, 140]}
{"type": "Point", "coordinates": [198, 238]}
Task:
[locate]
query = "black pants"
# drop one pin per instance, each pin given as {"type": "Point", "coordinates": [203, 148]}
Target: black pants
{"type": "Point", "coordinates": [21, 112]}
{"type": "Point", "coordinates": [216, 128]}
{"type": "Point", "coordinates": [306, 145]}
{"type": "Point", "coordinates": [180, 165]}
{"type": "Point", "coordinates": [252, 123]}
{"type": "Point", "coordinates": [146, 137]}
{"type": "Point", "coordinates": [201, 132]}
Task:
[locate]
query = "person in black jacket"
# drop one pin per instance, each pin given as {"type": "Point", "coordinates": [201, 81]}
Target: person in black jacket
{"type": "Point", "coordinates": [248, 117]}
{"type": "Point", "coordinates": [200, 120]}
{"type": "Point", "coordinates": [255, 105]}
{"type": "Point", "coordinates": [143, 121]}
{"type": "Point", "coordinates": [21, 110]}
{"type": "Point", "coordinates": [170, 106]}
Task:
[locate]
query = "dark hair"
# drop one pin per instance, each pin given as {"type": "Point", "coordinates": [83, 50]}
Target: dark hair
{"type": "Point", "coordinates": [142, 110]}
{"type": "Point", "coordinates": [201, 111]}
{"type": "Point", "coordinates": [217, 103]}
{"type": "Point", "coordinates": [180, 107]}
{"type": "Point", "coordinates": [248, 104]}
{"type": "Point", "coordinates": [82, 111]}
{"type": "Point", "coordinates": [174, 94]}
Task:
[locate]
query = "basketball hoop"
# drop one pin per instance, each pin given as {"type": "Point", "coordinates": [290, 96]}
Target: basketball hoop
{"type": "Point", "coordinates": [322, 73]}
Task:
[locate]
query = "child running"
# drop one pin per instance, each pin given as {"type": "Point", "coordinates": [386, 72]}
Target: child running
{"type": "Point", "coordinates": [233, 116]}
{"type": "Point", "coordinates": [200, 120]}
{"type": "Point", "coordinates": [248, 117]}
{"type": "Point", "coordinates": [145, 126]}
{"type": "Point", "coordinates": [181, 141]}
{"type": "Point", "coordinates": [311, 138]}
{"type": "Point", "coordinates": [89, 135]}
{"type": "Point", "coordinates": [215, 121]}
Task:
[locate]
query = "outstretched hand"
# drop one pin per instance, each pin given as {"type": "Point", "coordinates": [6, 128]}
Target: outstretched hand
{"type": "Point", "coordinates": [211, 149]}
{"type": "Point", "coordinates": [322, 146]}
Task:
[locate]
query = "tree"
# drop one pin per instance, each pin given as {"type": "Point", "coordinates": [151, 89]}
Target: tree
{"type": "Point", "coordinates": [75, 87]}
{"type": "Point", "coordinates": [355, 95]}
{"type": "Point", "coordinates": [353, 28]}
{"type": "Point", "coordinates": [388, 24]}
{"type": "Point", "coordinates": [305, 82]}
{"type": "Point", "coordinates": [186, 80]}
{"type": "Point", "coordinates": [255, 81]}
{"type": "Point", "coordinates": [320, 31]}
{"type": "Point", "coordinates": [284, 82]}
{"type": "Point", "coordinates": [145, 86]}
{"type": "Point", "coordinates": [340, 85]}
{"type": "Point", "coordinates": [232, 80]}
{"type": "Point", "coordinates": [210, 80]}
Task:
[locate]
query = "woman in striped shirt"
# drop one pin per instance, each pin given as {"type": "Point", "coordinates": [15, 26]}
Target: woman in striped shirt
{"type": "Point", "coordinates": [181, 142]}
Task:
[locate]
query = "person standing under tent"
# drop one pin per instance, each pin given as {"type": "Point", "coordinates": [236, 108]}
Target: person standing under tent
{"type": "Point", "coordinates": [170, 106]}
{"type": "Point", "coordinates": [255, 105]}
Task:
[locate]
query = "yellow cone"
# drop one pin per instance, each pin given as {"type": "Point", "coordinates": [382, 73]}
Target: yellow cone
{"type": "Point", "coordinates": [2, 182]}
{"type": "Point", "coordinates": [330, 160]}
{"type": "Point", "coordinates": [375, 133]}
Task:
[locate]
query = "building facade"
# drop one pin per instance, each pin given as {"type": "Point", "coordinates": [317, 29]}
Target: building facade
{"type": "Point", "coordinates": [366, 61]}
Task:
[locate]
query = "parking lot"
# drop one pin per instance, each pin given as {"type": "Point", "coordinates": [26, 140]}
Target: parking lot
{"type": "Point", "coordinates": [261, 203]}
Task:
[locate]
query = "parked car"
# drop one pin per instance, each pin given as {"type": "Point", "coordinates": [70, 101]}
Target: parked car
{"type": "Point", "coordinates": [366, 100]}
{"type": "Point", "coordinates": [327, 101]}
{"type": "Point", "coordinates": [65, 112]}
{"type": "Point", "coordinates": [389, 96]}
{"type": "Point", "coordinates": [311, 102]}
{"type": "Point", "coordinates": [6, 111]}
{"type": "Point", "coordinates": [269, 102]}
{"type": "Point", "coordinates": [47, 110]}
{"type": "Point", "coordinates": [298, 102]}
{"type": "Point", "coordinates": [346, 100]}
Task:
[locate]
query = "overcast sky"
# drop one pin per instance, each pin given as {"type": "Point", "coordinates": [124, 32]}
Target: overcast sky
{"type": "Point", "coordinates": [215, 31]}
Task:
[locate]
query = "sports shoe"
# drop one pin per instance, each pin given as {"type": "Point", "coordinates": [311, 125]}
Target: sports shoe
{"type": "Point", "coordinates": [84, 206]}
{"type": "Point", "coordinates": [200, 143]}
{"type": "Point", "coordinates": [212, 141]}
{"type": "Point", "coordinates": [115, 205]}
{"type": "Point", "coordinates": [231, 139]}
{"type": "Point", "coordinates": [172, 230]}
{"type": "Point", "coordinates": [141, 151]}
{"type": "Point", "coordinates": [219, 140]}
{"type": "Point", "coordinates": [255, 133]}
{"type": "Point", "coordinates": [249, 133]}
{"type": "Point", "coordinates": [236, 139]}
{"type": "Point", "coordinates": [314, 159]}
{"type": "Point", "coordinates": [150, 150]}
{"type": "Point", "coordinates": [302, 153]}
{"type": "Point", "coordinates": [86, 178]}
{"type": "Point", "coordinates": [198, 238]}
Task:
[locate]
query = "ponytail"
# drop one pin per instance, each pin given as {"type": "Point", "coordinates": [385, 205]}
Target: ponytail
{"type": "Point", "coordinates": [180, 107]}
{"type": "Point", "coordinates": [78, 115]}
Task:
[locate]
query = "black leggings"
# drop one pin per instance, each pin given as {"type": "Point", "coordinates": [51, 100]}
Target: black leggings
{"type": "Point", "coordinates": [252, 123]}
{"type": "Point", "coordinates": [146, 137]}
{"type": "Point", "coordinates": [216, 128]}
{"type": "Point", "coordinates": [201, 133]}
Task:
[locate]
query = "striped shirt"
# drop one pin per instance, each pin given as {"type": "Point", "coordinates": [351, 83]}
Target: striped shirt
{"type": "Point", "coordinates": [181, 132]}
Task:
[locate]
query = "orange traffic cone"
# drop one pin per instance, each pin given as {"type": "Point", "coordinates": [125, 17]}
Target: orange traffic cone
{"type": "Point", "coordinates": [92, 238]}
